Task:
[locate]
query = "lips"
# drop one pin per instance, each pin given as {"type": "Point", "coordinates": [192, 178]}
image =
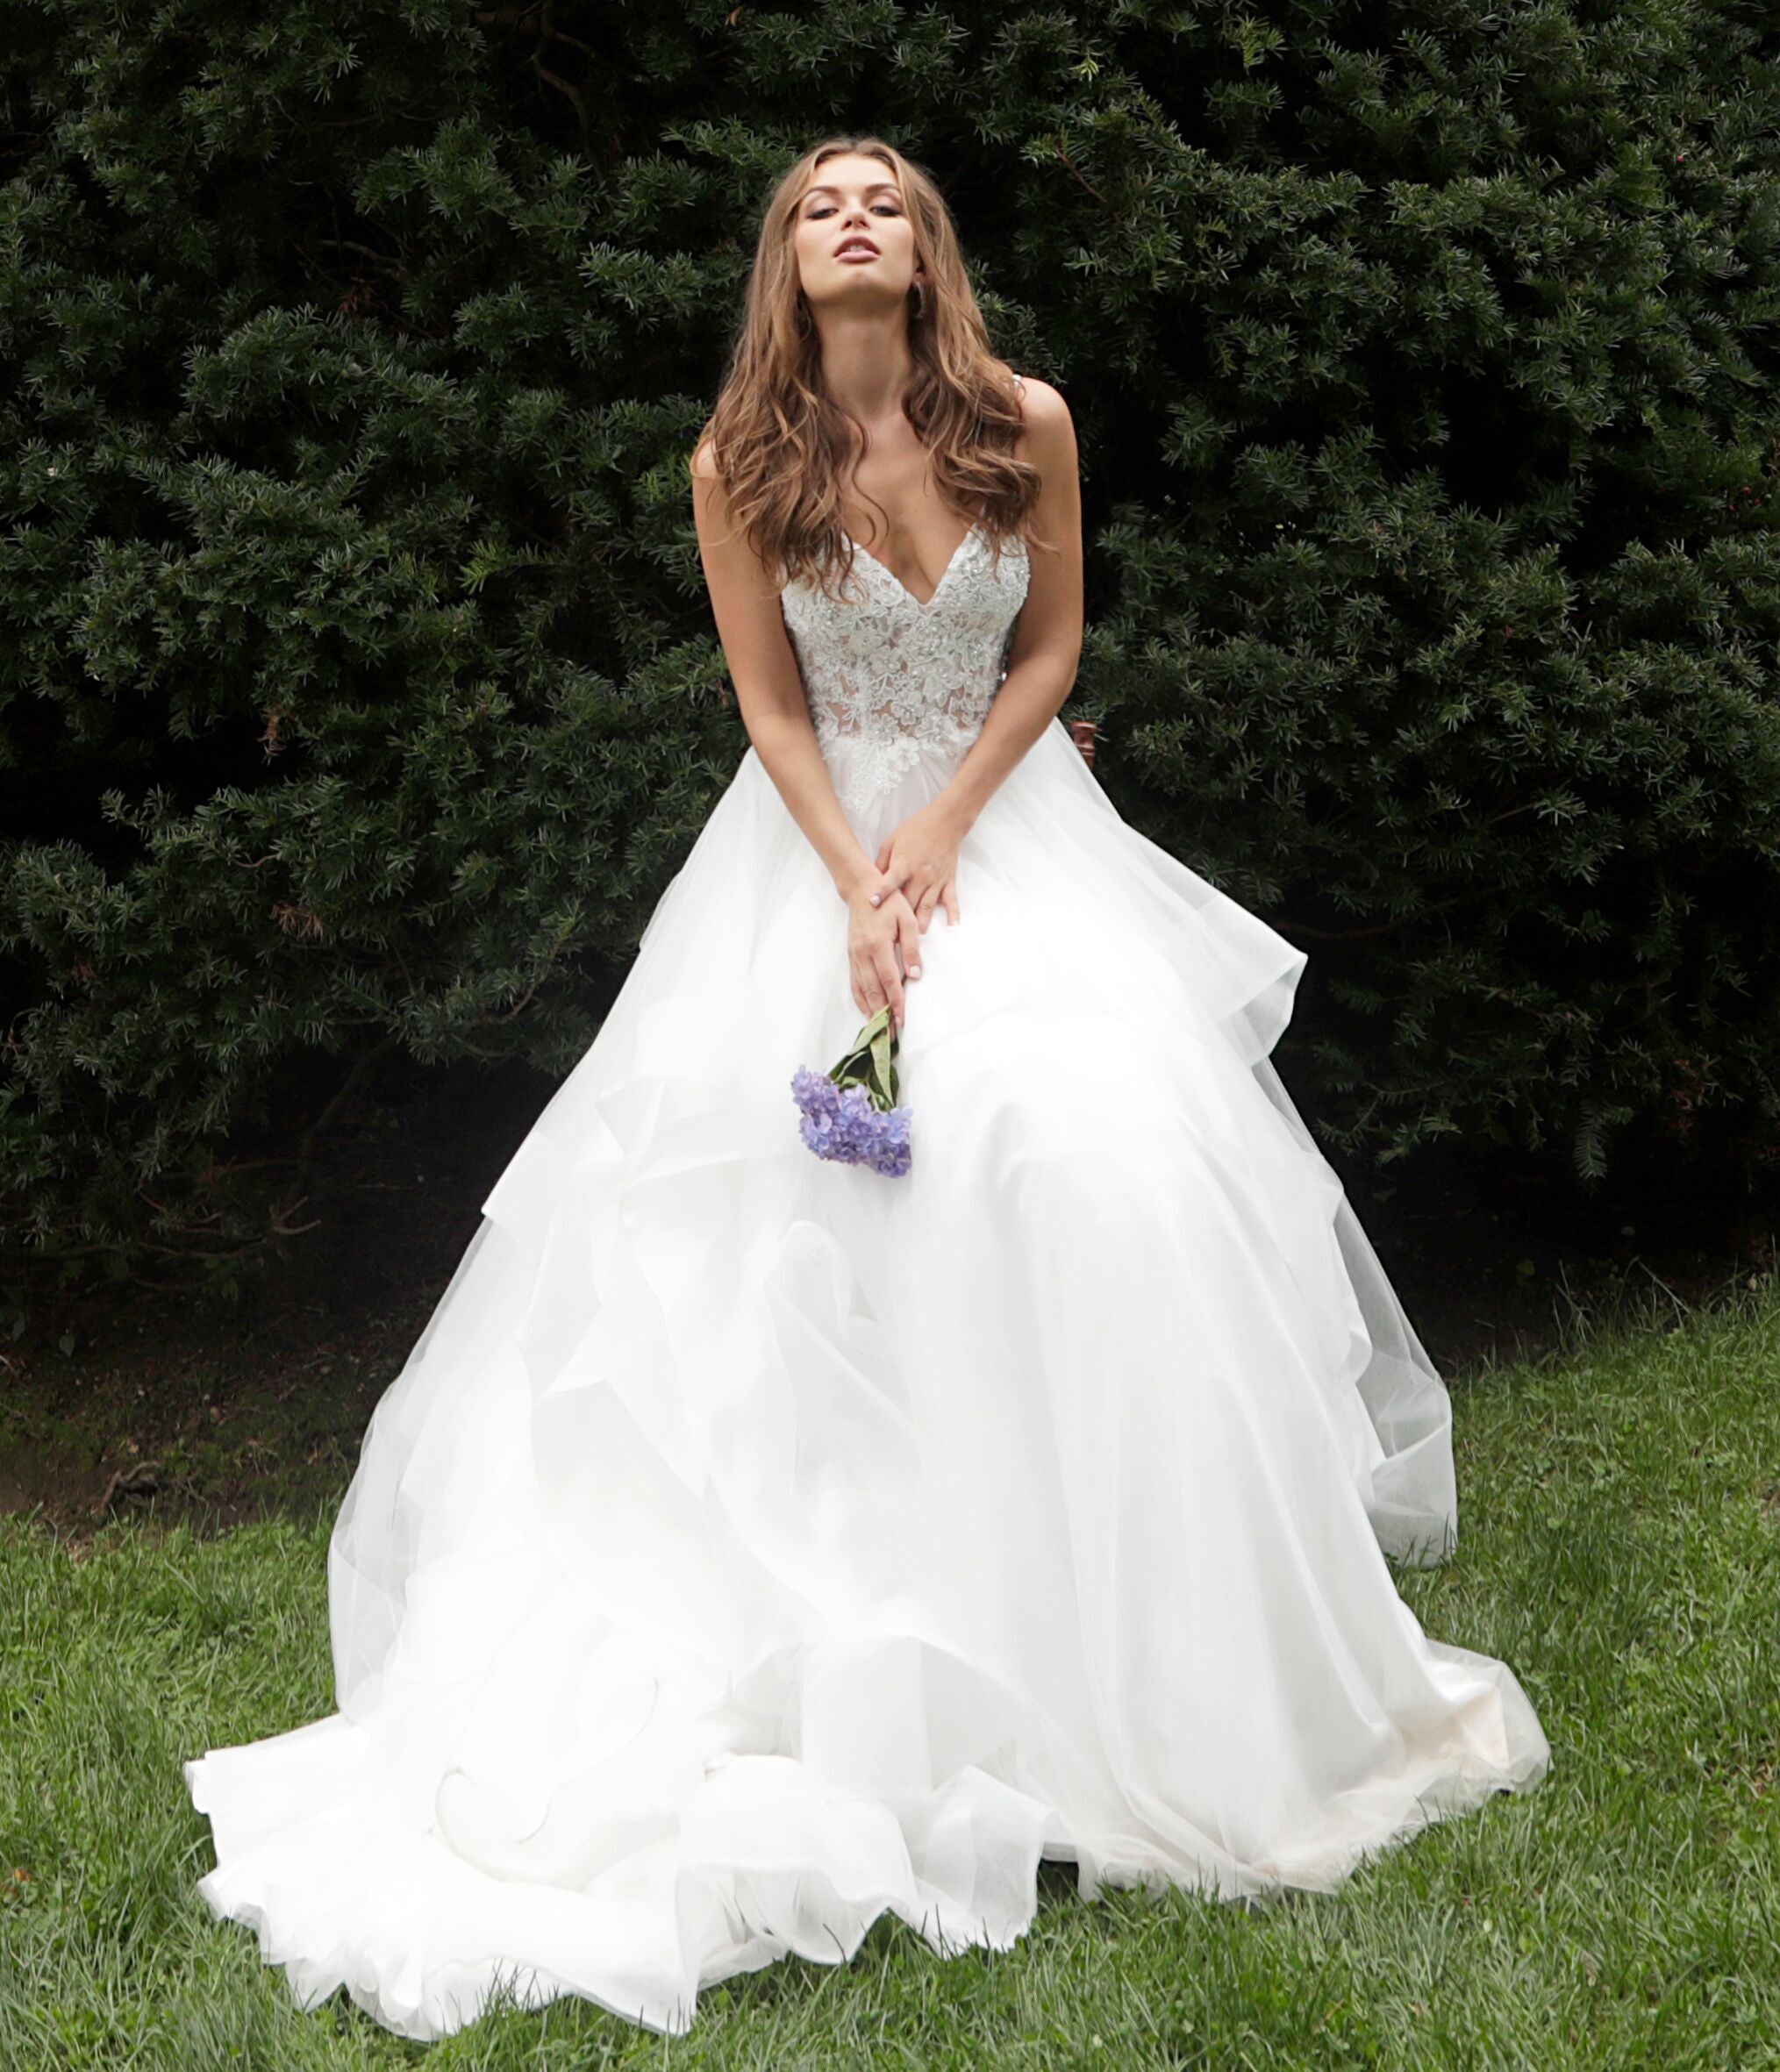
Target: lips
{"type": "Point", "coordinates": [856, 248]}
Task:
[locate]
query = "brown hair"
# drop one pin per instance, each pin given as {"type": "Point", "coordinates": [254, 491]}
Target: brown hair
{"type": "Point", "coordinates": [779, 440]}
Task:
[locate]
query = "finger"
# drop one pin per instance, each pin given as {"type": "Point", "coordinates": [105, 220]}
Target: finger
{"type": "Point", "coordinates": [890, 979]}
{"type": "Point", "coordinates": [909, 941]}
{"type": "Point", "coordinates": [951, 898]}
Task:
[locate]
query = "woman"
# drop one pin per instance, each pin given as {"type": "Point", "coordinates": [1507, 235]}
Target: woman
{"type": "Point", "coordinates": [753, 1542]}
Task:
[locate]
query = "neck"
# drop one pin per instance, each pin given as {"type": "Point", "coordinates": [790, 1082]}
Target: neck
{"type": "Point", "coordinates": [867, 365]}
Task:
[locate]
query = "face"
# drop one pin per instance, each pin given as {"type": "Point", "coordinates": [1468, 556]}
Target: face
{"type": "Point", "coordinates": [849, 199]}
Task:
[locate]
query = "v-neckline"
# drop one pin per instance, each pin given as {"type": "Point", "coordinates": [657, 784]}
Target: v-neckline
{"type": "Point", "coordinates": [945, 574]}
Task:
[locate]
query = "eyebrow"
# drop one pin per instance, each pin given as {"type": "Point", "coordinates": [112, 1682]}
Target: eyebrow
{"type": "Point", "coordinates": [876, 187]}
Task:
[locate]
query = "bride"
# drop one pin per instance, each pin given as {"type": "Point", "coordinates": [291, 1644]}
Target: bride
{"type": "Point", "coordinates": [755, 1542]}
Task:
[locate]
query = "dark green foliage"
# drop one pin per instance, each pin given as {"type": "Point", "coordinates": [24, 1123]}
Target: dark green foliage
{"type": "Point", "coordinates": [1451, 643]}
{"type": "Point", "coordinates": [357, 688]}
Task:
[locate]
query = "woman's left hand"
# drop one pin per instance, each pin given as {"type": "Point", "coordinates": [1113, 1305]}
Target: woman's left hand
{"type": "Point", "coordinates": [921, 856]}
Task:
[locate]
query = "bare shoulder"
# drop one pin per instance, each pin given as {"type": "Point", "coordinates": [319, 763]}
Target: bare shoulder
{"type": "Point", "coordinates": [1049, 434]}
{"type": "Point", "coordinates": [733, 572]}
{"type": "Point", "coordinates": [704, 464]}
{"type": "Point", "coordinates": [1042, 405]}
{"type": "Point", "coordinates": [710, 511]}
{"type": "Point", "coordinates": [1047, 443]}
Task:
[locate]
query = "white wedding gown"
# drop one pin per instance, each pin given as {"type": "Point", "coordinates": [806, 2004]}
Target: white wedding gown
{"type": "Point", "coordinates": [752, 1543]}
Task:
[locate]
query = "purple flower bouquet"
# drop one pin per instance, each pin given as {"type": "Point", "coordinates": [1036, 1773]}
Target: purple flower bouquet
{"type": "Point", "coordinates": [849, 1112]}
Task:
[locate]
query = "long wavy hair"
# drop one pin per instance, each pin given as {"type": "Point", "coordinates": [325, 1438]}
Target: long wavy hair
{"type": "Point", "coordinates": [779, 443]}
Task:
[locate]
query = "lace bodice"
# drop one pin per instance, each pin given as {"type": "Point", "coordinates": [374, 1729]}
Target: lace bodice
{"type": "Point", "coordinates": [888, 678]}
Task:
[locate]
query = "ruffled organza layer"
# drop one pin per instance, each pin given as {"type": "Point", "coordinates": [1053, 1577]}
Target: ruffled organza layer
{"type": "Point", "coordinates": [752, 1544]}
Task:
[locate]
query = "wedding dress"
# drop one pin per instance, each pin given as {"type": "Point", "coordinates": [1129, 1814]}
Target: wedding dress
{"type": "Point", "coordinates": [754, 1543]}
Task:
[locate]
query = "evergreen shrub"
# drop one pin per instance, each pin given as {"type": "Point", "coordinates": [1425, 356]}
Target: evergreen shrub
{"type": "Point", "coordinates": [358, 692]}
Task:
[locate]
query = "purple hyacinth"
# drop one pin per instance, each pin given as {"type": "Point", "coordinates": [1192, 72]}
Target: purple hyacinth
{"type": "Point", "coordinates": [850, 1113]}
{"type": "Point", "coordinates": [842, 1124]}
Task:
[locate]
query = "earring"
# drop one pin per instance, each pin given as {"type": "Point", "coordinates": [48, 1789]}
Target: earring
{"type": "Point", "coordinates": [920, 300]}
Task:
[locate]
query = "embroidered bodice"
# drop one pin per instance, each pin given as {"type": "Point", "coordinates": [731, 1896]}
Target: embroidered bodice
{"type": "Point", "coordinates": [888, 678]}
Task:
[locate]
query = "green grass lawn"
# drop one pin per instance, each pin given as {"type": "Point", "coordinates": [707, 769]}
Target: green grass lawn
{"type": "Point", "coordinates": [1620, 1547]}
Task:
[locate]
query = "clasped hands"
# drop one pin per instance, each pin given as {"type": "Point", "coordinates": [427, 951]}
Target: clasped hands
{"type": "Point", "coordinates": [889, 907]}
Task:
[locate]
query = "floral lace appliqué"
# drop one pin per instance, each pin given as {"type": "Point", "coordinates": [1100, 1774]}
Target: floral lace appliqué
{"type": "Point", "coordinates": [892, 677]}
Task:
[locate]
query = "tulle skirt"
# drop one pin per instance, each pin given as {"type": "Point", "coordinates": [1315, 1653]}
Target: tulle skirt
{"type": "Point", "coordinates": [753, 1543]}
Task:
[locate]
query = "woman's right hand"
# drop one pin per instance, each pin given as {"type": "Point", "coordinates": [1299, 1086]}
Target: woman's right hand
{"type": "Point", "coordinates": [876, 932]}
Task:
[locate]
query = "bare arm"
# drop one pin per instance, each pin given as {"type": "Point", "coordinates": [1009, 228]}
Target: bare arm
{"type": "Point", "coordinates": [1047, 644]}
{"type": "Point", "coordinates": [768, 685]}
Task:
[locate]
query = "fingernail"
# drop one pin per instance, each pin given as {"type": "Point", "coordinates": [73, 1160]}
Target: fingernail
{"type": "Point", "coordinates": [876, 898]}
{"type": "Point", "coordinates": [914, 971]}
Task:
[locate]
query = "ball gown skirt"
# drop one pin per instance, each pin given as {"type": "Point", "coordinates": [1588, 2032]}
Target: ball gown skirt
{"type": "Point", "coordinates": [753, 1543]}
